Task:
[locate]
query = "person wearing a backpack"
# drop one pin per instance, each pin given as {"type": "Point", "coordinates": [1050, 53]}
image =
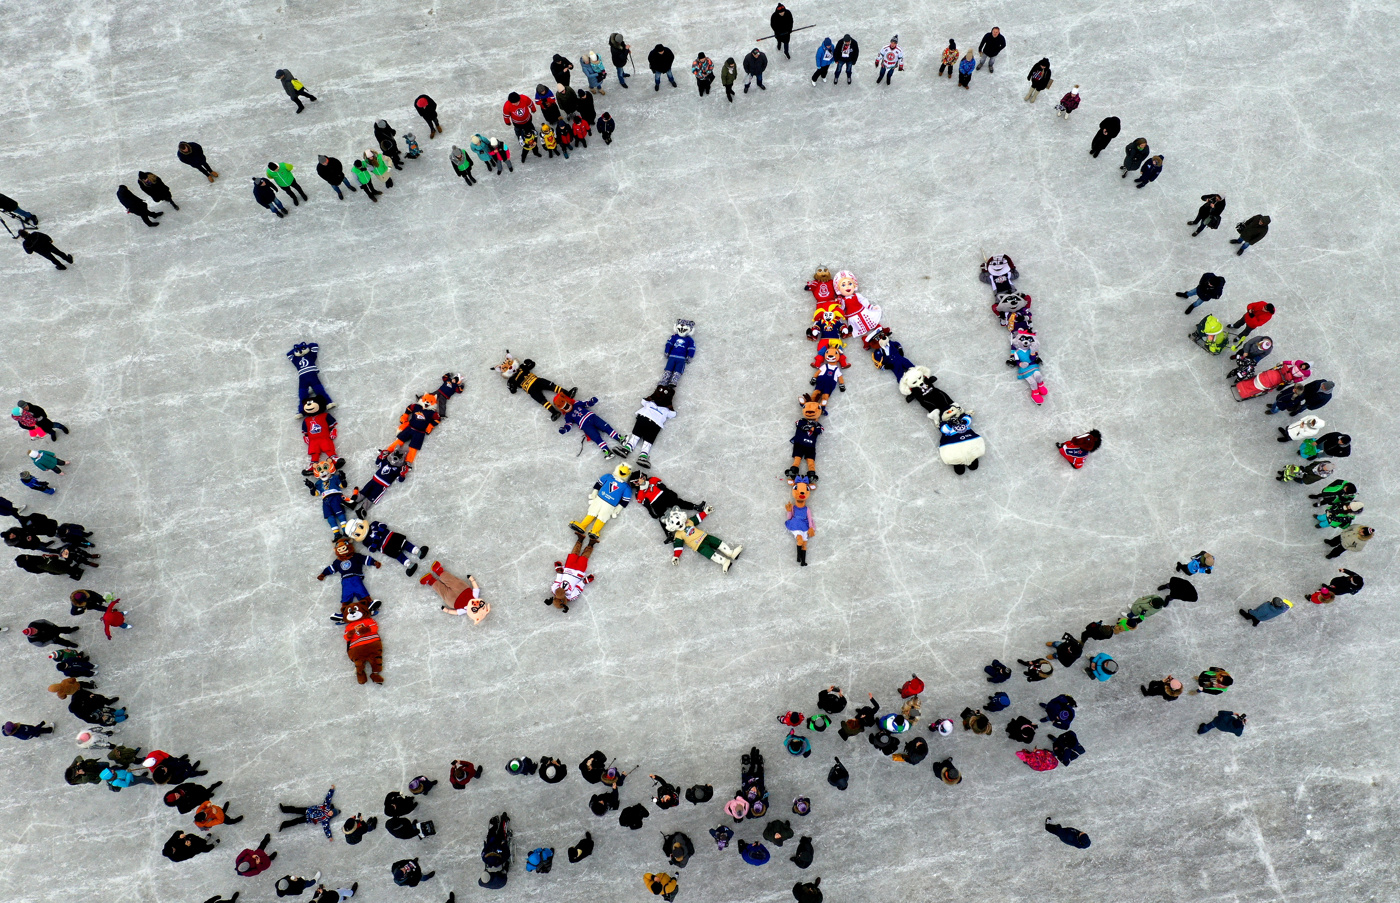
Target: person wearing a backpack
{"type": "Point", "coordinates": [294, 88]}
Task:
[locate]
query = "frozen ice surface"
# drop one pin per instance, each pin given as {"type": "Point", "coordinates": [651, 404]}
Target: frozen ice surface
{"type": "Point", "coordinates": [163, 350]}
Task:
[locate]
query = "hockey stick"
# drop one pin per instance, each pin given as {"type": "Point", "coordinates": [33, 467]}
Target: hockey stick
{"type": "Point", "coordinates": [803, 28]}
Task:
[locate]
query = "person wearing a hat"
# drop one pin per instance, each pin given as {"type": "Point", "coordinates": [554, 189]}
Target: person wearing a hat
{"type": "Point", "coordinates": [781, 23]}
{"type": "Point", "coordinates": [384, 134]}
{"type": "Point", "coordinates": [43, 632]}
{"type": "Point", "coordinates": [1267, 611]}
{"type": "Point", "coordinates": [888, 60]}
{"type": "Point", "coordinates": [947, 772]}
{"type": "Point", "coordinates": [26, 731]}
{"type": "Point", "coordinates": [427, 108]}
{"type": "Point", "coordinates": [594, 71]}
{"type": "Point", "coordinates": [294, 88]}
{"type": "Point", "coordinates": [47, 460]}
{"type": "Point", "coordinates": [1352, 539]}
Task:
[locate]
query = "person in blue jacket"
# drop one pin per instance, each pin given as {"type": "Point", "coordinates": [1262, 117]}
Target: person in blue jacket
{"type": "Point", "coordinates": [1102, 667]}
{"type": "Point", "coordinates": [826, 55]}
{"type": "Point", "coordinates": [1150, 171]}
{"type": "Point", "coordinates": [1229, 722]}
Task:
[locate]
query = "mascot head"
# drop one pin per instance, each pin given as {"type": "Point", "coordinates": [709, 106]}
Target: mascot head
{"type": "Point", "coordinates": [800, 490]}
{"type": "Point", "coordinates": [344, 549]}
{"type": "Point", "coordinates": [357, 530]}
{"type": "Point", "coordinates": [507, 367]}
{"type": "Point", "coordinates": [846, 284]}
{"type": "Point", "coordinates": [811, 408]}
{"type": "Point", "coordinates": [685, 327]}
{"type": "Point", "coordinates": [674, 520]}
{"type": "Point", "coordinates": [821, 275]}
{"type": "Point", "coordinates": [313, 405]}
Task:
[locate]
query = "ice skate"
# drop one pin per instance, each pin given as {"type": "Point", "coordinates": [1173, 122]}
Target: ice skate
{"type": "Point", "coordinates": [422, 552]}
{"type": "Point", "coordinates": [732, 553]}
{"type": "Point", "coordinates": [644, 461]}
{"type": "Point", "coordinates": [723, 562]}
{"type": "Point", "coordinates": [411, 568]}
{"type": "Point", "coordinates": [624, 450]}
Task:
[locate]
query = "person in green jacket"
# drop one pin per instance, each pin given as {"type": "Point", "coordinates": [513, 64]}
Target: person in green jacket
{"type": "Point", "coordinates": [281, 173]}
{"type": "Point", "coordinates": [378, 167]}
{"type": "Point", "coordinates": [1147, 606]}
{"type": "Point", "coordinates": [47, 460]}
{"type": "Point", "coordinates": [727, 75]}
{"type": "Point", "coordinates": [362, 175]}
{"type": "Point", "coordinates": [462, 164]}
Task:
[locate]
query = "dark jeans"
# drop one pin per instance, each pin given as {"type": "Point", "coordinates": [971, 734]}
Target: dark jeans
{"type": "Point", "coordinates": [524, 128]}
{"type": "Point", "coordinates": [302, 92]}
{"type": "Point", "coordinates": [729, 92]}
{"type": "Point", "coordinates": [839, 64]}
{"type": "Point", "coordinates": [887, 74]}
{"type": "Point", "coordinates": [704, 84]}
{"type": "Point", "coordinates": [784, 42]}
{"type": "Point", "coordinates": [204, 168]}
{"type": "Point", "coordinates": [347, 184]}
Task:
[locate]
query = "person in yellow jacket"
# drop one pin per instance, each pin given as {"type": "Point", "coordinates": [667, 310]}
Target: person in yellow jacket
{"type": "Point", "coordinates": [661, 885]}
{"type": "Point", "coordinates": [378, 167]}
{"type": "Point", "coordinates": [282, 174]}
{"type": "Point", "coordinates": [551, 144]}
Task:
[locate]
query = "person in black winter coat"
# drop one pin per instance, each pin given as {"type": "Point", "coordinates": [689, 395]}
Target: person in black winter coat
{"type": "Point", "coordinates": [606, 126]}
{"type": "Point", "coordinates": [1066, 747]}
{"type": "Point", "coordinates": [1297, 399]}
{"type": "Point", "coordinates": [1059, 711]}
{"type": "Point", "coordinates": [36, 242]}
{"type": "Point", "coordinates": [1252, 231]}
{"type": "Point", "coordinates": [1072, 836]}
{"type": "Point", "coordinates": [992, 44]}
{"type": "Point", "coordinates": [660, 60]}
{"type": "Point", "coordinates": [137, 207]}
{"type": "Point", "coordinates": [583, 849]}
{"type": "Point", "coordinates": [632, 816]}
{"type": "Point", "coordinates": [182, 846]}
{"type": "Point", "coordinates": [43, 632]}
{"type": "Point", "coordinates": [333, 172]}
{"type": "Point", "coordinates": [397, 804]}
{"type": "Point", "coordinates": [356, 827]}
{"type": "Point", "coordinates": [831, 700]}
{"type": "Point", "coordinates": [1096, 631]}
{"type": "Point", "coordinates": [586, 109]}
{"type": "Point", "coordinates": [187, 797]}
{"type": "Point", "coordinates": [1021, 729]}
{"type": "Point", "coordinates": [294, 88]}
{"type": "Point", "coordinates": [192, 154]}
{"type": "Point", "coordinates": [808, 891]}
{"type": "Point", "coordinates": [838, 776]}
{"type": "Point", "coordinates": [781, 23]}
{"type": "Point", "coordinates": [803, 857]}
{"type": "Point", "coordinates": [1039, 78]}
{"type": "Point", "coordinates": [265, 193]}
{"type": "Point", "coordinates": [47, 564]}
{"type": "Point", "coordinates": [22, 539]}
{"type": "Point", "coordinates": [621, 52]}
{"type": "Point", "coordinates": [1108, 130]}
{"type": "Point", "coordinates": [847, 52]}
{"type": "Point", "coordinates": [1136, 151]}
{"type": "Point", "coordinates": [755, 61]}
{"type": "Point", "coordinates": [560, 67]}
{"type": "Point", "coordinates": [1212, 205]}
{"type": "Point", "coordinates": [1209, 288]}
{"type": "Point", "coordinates": [567, 98]}
{"type": "Point", "coordinates": [427, 108]}
{"type": "Point", "coordinates": [384, 135]}
{"type": "Point", "coordinates": [158, 191]}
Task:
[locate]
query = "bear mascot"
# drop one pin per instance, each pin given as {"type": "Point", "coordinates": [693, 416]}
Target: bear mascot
{"type": "Point", "coordinates": [362, 640]}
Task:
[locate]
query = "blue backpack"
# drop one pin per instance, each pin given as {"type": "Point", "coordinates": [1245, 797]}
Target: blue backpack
{"type": "Point", "coordinates": [541, 859]}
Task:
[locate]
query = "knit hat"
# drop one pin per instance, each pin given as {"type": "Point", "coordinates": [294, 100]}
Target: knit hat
{"type": "Point", "coordinates": [30, 631]}
{"type": "Point", "coordinates": [8, 729]}
{"type": "Point", "coordinates": [421, 103]}
{"type": "Point", "coordinates": [17, 412]}
{"type": "Point", "coordinates": [1074, 90]}
{"type": "Point", "coordinates": [894, 40]}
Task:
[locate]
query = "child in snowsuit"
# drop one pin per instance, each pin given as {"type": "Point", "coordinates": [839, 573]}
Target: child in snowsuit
{"type": "Point", "coordinates": [581, 130]}
{"type": "Point", "coordinates": [685, 531]}
{"type": "Point", "coordinates": [656, 409]}
{"type": "Point", "coordinates": [1068, 104]}
{"type": "Point", "coordinates": [950, 59]}
{"type": "Point", "coordinates": [610, 494]}
{"type": "Point", "coordinates": [462, 164]}
{"type": "Point", "coordinates": [500, 154]}
{"type": "Point", "coordinates": [395, 545]}
{"type": "Point", "coordinates": [606, 126]}
{"type": "Point", "coordinates": [35, 483]}
{"type": "Point", "coordinates": [593, 426]}
{"type": "Point", "coordinates": [565, 137]}
{"type": "Point", "coordinates": [572, 576]}
{"type": "Point", "coordinates": [47, 460]}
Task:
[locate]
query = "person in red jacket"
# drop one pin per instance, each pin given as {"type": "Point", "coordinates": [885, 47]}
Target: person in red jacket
{"type": "Point", "coordinates": [518, 112]}
{"type": "Point", "coordinates": [1077, 449]}
{"type": "Point", "coordinates": [1255, 315]}
{"type": "Point", "coordinates": [255, 862]}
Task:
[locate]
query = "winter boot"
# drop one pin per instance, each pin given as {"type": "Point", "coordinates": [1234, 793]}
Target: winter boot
{"type": "Point", "coordinates": [729, 551]}
{"type": "Point", "coordinates": [411, 568]}
{"type": "Point", "coordinates": [791, 472]}
{"type": "Point", "coordinates": [422, 552]}
{"type": "Point", "coordinates": [812, 479]}
{"type": "Point", "coordinates": [720, 560]}
{"type": "Point", "coordinates": [624, 450]}
{"type": "Point", "coordinates": [802, 557]}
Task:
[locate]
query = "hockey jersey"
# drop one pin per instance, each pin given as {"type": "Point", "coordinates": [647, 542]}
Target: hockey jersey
{"type": "Point", "coordinates": [613, 491]}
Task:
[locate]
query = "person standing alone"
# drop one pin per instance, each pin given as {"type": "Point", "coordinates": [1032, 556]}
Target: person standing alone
{"type": "Point", "coordinates": [754, 64]}
{"type": "Point", "coordinates": [781, 23]}
{"type": "Point", "coordinates": [294, 88]}
{"type": "Point", "coordinates": [1039, 78]}
{"type": "Point", "coordinates": [36, 242]}
{"type": "Point", "coordinates": [888, 59]}
{"type": "Point", "coordinates": [992, 44]}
